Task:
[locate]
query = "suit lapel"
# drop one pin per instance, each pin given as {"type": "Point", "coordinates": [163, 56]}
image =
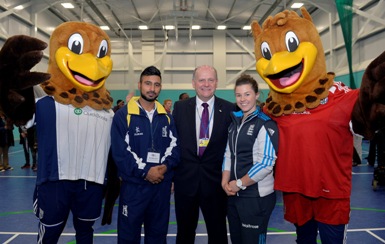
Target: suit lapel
{"type": "Point", "coordinates": [191, 120]}
{"type": "Point", "coordinates": [218, 118]}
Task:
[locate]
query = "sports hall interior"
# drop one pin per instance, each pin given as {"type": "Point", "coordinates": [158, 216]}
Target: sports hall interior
{"type": "Point", "coordinates": [181, 35]}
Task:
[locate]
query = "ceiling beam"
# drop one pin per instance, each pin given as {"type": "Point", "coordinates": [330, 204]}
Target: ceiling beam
{"type": "Point", "coordinates": [268, 12]}
{"type": "Point", "coordinates": [101, 16]}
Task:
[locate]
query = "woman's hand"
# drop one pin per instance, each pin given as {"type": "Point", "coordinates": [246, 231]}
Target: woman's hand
{"type": "Point", "coordinates": [226, 187]}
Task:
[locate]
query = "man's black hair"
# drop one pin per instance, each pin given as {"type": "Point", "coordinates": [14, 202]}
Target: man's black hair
{"type": "Point", "coordinates": [151, 70]}
{"type": "Point", "coordinates": [181, 95]}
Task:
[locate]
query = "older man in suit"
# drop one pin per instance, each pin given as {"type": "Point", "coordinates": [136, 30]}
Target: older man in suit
{"type": "Point", "coordinates": [201, 123]}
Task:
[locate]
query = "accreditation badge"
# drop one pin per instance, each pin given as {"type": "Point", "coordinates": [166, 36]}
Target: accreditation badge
{"type": "Point", "coordinates": [203, 142]}
{"type": "Point", "coordinates": [153, 157]}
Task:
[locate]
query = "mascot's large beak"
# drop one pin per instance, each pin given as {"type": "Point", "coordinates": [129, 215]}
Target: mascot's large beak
{"type": "Point", "coordinates": [286, 71]}
{"type": "Point", "coordinates": [85, 71]}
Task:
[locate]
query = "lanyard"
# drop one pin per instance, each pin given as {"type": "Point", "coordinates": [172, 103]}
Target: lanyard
{"type": "Point", "coordinates": [152, 134]}
{"type": "Point", "coordinates": [151, 128]}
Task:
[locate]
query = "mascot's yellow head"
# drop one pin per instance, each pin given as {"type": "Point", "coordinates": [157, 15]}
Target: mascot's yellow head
{"type": "Point", "coordinates": [79, 64]}
{"type": "Point", "coordinates": [290, 59]}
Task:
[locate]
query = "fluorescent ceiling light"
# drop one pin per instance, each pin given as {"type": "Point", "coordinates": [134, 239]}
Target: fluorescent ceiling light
{"type": "Point", "coordinates": [143, 27]}
{"type": "Point", "coordinates": [221, 27]}
{"type": "Point", "coordinates": [296, 5]}
{"type": "Point", "coordinates": [68, 5]}
{"type": "Point", "coordinates": [20, 7]}
{"type": "Point", "coordinates": [246, 27]}
{"type": "Point", "coordinates": [196, 27]}
{"type": "Point", "coordinates": [104, 27]}
{"type": "Point", "coordinates": [168, 27]}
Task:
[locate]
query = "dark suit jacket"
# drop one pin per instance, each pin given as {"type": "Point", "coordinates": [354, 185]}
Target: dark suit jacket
{"type": "Point", "coordinates": [193, 173]}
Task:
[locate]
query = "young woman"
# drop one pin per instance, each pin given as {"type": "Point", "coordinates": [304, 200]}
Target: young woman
{"type": "Point", "coordinates": [247, 176]}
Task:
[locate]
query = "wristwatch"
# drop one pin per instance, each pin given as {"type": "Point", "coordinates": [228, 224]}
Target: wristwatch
{"type": "Point", "coordinates": [239, 184]}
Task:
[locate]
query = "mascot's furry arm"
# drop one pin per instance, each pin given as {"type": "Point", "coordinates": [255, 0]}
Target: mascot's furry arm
{"type": "Point", "coordinates": [369, 111]}
{"type": "Point", "coordinates": [18, 55]}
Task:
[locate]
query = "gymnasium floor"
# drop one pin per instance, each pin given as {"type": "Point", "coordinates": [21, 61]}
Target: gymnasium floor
{"type": "Point", "coordinates": [18, 225]}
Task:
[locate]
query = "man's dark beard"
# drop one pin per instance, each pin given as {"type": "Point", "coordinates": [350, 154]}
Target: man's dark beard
{"type": "Point", "coordinates": [148, 99]}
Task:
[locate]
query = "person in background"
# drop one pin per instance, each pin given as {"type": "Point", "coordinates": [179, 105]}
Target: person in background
{"type": "Point", "coordinates": [371, 158]}
{"type": "Point", "coordinates": [377, 148]}
{"type": "Point", "coordinates": [183, 96]}
{"type": "Point", "coordinates": [119, 104]}
{"type": "Point", "coordinates": [6, 141]}
{"type": "Point", "coordinates": [145, 150]}
{"type": "Point", "coordinates": [357, 149]}
{"type": "Point", "coordinates": [202, 122]}
{"type": "Point", "coordinates": [29, 142]}
{"type": "Point", "coordinates": [247, 176]}
{"type": "Point", "coordinates": [167, 104]}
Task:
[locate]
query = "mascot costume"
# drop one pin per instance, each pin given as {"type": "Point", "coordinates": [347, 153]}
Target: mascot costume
{"type": "Point", "coordinates": [73, 121]}
{"type": "Point", "coordinates": [315, 116]}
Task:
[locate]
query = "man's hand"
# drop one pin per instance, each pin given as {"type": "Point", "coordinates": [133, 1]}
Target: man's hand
{"type": "Point", "coordinates": [155, 174]}
{"type": "Point", "coordinates": [162, 169]}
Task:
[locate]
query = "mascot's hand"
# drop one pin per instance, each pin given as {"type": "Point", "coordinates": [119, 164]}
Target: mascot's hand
{"type": "Point", "coordinates": [18, 55]}
{"type": "Point", "coordinates": [369, 111]}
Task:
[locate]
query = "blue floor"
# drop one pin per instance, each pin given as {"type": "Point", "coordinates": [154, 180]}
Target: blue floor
{"type": "Point", "coordinates": [18, 225]}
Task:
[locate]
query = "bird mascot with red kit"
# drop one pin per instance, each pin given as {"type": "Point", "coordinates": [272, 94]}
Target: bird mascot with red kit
{"type": "Point", "coordinates": [73, 120]}
{"type": "Point", "coordinates": [316, 116]}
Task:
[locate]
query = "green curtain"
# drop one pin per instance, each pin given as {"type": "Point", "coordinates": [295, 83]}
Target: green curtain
{"type": "Point", "coordinates": [345, 13]}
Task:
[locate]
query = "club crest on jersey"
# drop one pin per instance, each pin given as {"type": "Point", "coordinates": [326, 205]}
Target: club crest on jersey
{"type": "Point", "coordinates": [125, 210]}
{"type": "Point", "coordinates": [164, 131]}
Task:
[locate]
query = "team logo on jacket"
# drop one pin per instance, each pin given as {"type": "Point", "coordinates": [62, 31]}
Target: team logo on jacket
{"type": "Point", "coordinates": [164, 131]}
{"type": "Point", "coordinates": [138, 132]}
{"type": "Point", "coordinates": [250, 130]}
{"type": "Point", "coordinates": [124, 210]}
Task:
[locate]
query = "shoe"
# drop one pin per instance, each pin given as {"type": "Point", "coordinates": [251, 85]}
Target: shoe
{"type": "Point", "coordinates": [2, 170]}
{"type": "Point", "coordinates": [34, 167]}
{"type": "Point", "coordinates": [26, 166]}
{"type": "Point", "coordinates": [9, 168]}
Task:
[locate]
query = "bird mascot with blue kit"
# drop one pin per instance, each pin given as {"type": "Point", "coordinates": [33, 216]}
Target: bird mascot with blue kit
{"type": "Point", "coordinates": [73, 119]}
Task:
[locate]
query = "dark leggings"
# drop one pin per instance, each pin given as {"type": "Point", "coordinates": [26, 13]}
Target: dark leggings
{"type": "Point", "coordinates": [330, 234]}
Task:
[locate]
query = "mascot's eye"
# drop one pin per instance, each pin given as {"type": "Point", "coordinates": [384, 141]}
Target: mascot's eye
{"type": "Point", "coordinates": [103, 49]}
{"type": "Point", "coordinates": [75, 43]}
{"type": "Point", "coordinates": [265, 49]}
{"type": "Point", "coordinates": [291, 41]}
